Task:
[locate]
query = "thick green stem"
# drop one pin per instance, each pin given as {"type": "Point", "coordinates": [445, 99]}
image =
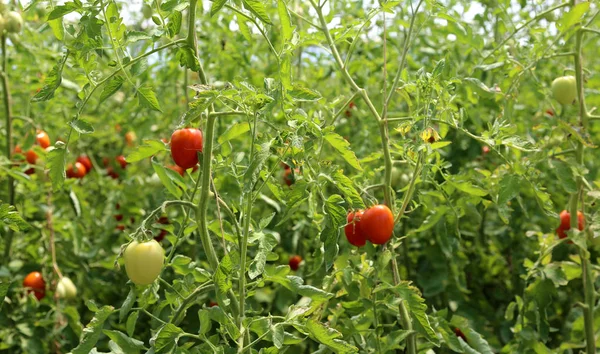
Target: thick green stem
{"type": "Point", "coordinates": [588, 281]}
{"type": "Point", "coordinates": [9, 148]}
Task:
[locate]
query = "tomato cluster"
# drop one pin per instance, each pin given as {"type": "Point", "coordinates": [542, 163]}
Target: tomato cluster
{"type": "Point", "coordinates": [375, 225]}
{"type": "Point", "coordinates": [565, 223]}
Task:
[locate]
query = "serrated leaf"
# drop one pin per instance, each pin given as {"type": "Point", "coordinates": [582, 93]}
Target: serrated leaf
{"type": "Point", "coordinates": [166, 338]}
{"type": "Point", "coordinates": [257, 8]}
{"type": "Point", "coordinates": [81, 126]}
{"type": "Point", "coordinates": [470, 188]}
{"type": "Point", "coordinates": [56, 164]}
{"type": "Point", "coordinates": [67, 8]}
{"type": "Point", "coordinates": [329, 337]}
{"type": "Point", "coordinates": [10, 217]}
{"type": "Point", "coordinates": [53, 81]}
{"type": "Point", "coordinates": [127, 344]}
{"type": "Point", "coordinates": [217, 5]}
{"type": "Point", "coordinates": [509, 188]}
{"type": "Point", "coordinates": [4, 287]}
{"type": "Point", "coordinates": [111, 87]}
{"type": "Point", "coordinates": [304, 94]}
{"type": "Point", "coordinates": [147, 98]}
{"type": "Point", "coordinates": [127, 304]}
{"type": "Point", "coordinates": [57, 28]}
{"type": "Point", "coordinates": [225, 320]}
{"type": "Point", "coordinates": [343, 148]}
{"type": "Point", "coordinates": [93, 331]}
{"type": "Point", "coordinates": [166, 181]}
{"type": "Point", "coordinates": [234, 131]}
{"type": "Point", "coordinates": [251, 175]}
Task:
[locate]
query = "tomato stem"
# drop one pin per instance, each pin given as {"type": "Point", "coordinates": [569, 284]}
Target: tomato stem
{"type": "Point", "coordinates": [9, 147]}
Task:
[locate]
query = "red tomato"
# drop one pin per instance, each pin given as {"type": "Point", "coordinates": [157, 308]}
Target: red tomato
{"type": "Point", "coordinates": [121, 160]}
{"type": "Point", "coordinates": [78, 171]}
{"type": "Point", "coordinates": [31, 156]}
{"type": "Point", "coordinates": [550, 112]}
{"type": "Point", "coordinates": [284, 165]}
{"type": "Point", "coordinates": [295, 262]}
{"type": "Point", "coordinates": [120, 227]}
{"type": "Point", "coordinates": [17, 150]}
{"type": "Point", "coordinates": [161, 235]}
{"type": "Point", "coordinates": [185, 145]}
{"type": "Point", "coordinates": [212, 304]}
{"type": "Point", "coordinates": [177, 169]}
{"type": "Point", "coordinates": [565, 223]}
{"type": "Point", "coordinates": [290, 178]}
{"type": "Point", "coordinates": [30, 171]}
{"type": "Point", "coordinates": [35, 282]}
{"type": "Point", "coordinates": [85, 161]}
{"type": "Point", "coordinates": [42, 138]}
{"type": "Point", "coordinates": [164, 140]}
{"type": "Point", "coordinates": [353, 230]}
{"type": "Point", "coordinates": [119, 217]}
{"type": "Point", "coordinates": [485, 149]}
{"type": "Point", "coordinates": [105, 161]}
{"type": "Point", "coordinates": [378, 224]}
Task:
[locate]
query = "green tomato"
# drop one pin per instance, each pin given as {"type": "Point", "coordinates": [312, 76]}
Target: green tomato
{"type": "Point", "coordinates": [66, 289]}
{"type": "Point", "coordinates": [13, 22]}
{"type": "Point", "coordinates": [144, 261]}
{"type": "Point", "coordinates": [564, 89]}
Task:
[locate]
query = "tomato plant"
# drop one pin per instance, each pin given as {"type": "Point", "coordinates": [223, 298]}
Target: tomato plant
{"type": "Point", "coordinates": [245, 151]}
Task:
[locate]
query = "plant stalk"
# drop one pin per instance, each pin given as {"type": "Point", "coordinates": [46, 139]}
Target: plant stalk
{"type": "Point", "coordinates": [9, 148]}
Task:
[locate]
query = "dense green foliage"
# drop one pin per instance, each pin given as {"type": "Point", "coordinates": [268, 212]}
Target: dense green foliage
{"type": "Point", "coordinates": [444, 111]}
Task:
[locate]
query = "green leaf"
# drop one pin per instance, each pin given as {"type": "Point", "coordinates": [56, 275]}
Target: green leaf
{"type": "Point", "coordinates": [128, 345]}
{"type": "Point", "coordinates": [187, 58]}
{"type": "Point", "coordinates": [257, 7]}
{"type": "Point", "coordinates": [469, 188]}
{"type": "Point", "coordinates": [147, 98]}
{"type": "Point", "coordinates": [4, 286]}
{"type": "Point", "coordinates": [287, 31]}
{"type": "Point", "coordinates": [115, 22]}
{"type": "Point", "coordinates": [565, 175]}
{"type": "Point", "coordinates": [166, 181]}
{"type": "Point", "coordinates": [10, 217]}
{"type": "Point", "coordinates": [234, 131]}
{"type": "Point", "coordinates": [266, 243]}
{"type": "Point", "coordinates": [417, 308]}
{"type": "Point", "coordinates": [166, 338]}
{"type": "Point", "coordinates": [430, 221]}
{"type": "Point", "coordinates": [53, 81]}
{"type": "Point", "coordinates": [57, 28]}
{"type": "Point", "coordinates": [329, 337]}
{"type": "Point", "coordinates": [93, 331]}
{"type": "Point", "coordinates": [336, 218]}
{"type": "Point", "coordinates": [481, 86]}
{"type": "Point", "coordinates": [304, 94]}
{"type": "Point", "coordinates": [572, 17]}
{"type": "Point", "coordinates": [217, 5]}
{"type": "Point", "coordinates": [127, 304]}
{"type": "Point", "coordinates": [81, 126]}
{"type": "Point", "coordinates": [343, 148]}
{"type": "Point", "coordinates": [174, 25]}
{"type": "Point", "coordinates": [131, 322]}
{"type": "Point", "coordinates": [509, 188]}
{"type": "Point", "coordinates": [56, 164]}
{"type": "Point", "coordinates": [251, 175]}
{"type": "Point", "coordinates": [222, 280]}
{"type": "Point", "coordinates": [345, 185]}
{"type": "Point", "coordinates": [147, 149]}
{"type": "Point", "coordinates": [225, 320]}
{"type": "Point", "coordinates": [67, 8]}
{"type": "Point", "coordinates": [111, 87]}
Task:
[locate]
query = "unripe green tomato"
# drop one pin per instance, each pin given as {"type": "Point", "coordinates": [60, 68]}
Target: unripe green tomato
{"type": "Point", "coordinates": [564, 89]}
{"type": "Point", "coordinates": [144, 261]}
{"type": "Point", "coordinates": [147, 11]}
{"type": "Point", "coordinates": [66, 289]}
{"type": "Point", "coordinates": [13, 22]}
{"type": "Point", "coordinates": [396, 174]}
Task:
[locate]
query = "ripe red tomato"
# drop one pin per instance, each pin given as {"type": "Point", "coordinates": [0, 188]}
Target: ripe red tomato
{"type": "Point", "coordinates": [565, 223]}
{"type": "Point", "coordinates": [378, 224]}
{"type": "Point", "coordinates": [31, 156]}
{"type": "Point", "coordinates": [177, 169]}
{"type": "Point", "coordinates": [120, 227]}
{"type": "Point", "coordinates": [121, 160]}
{"type": "Point", "coordinates": [34, 282]}
{"type": "Point", "coordinates": [42, 138]}
{"type": "Point", "coordinates": [119, 217]}
{"type": "Point", "coordinates": [212, 304]}
{"type": "Point", "coordinates": [485, 149]}
{"type": "Point", "coordinates": [76, 171]}
{"type": "Point", "coordinates": [288, 177]}
{"type": "Point", "coordinates": [30, 171]}
{"type": "Point", "coordinates": [185, 145]}
{"type": "Point", "coordinates": [85, 161]}
{"type": "Point", "coordinates": [17, 150]}
{"type": "Point", "coordinates": [295, 262]}
{"type": "Point", "coordinates": [353, 230]}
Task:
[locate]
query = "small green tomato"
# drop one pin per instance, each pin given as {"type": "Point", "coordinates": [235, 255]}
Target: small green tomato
{"type": "Point", "coordinates": [564, 89]}
{"type": "Point", "coordinates": [66, 289]}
